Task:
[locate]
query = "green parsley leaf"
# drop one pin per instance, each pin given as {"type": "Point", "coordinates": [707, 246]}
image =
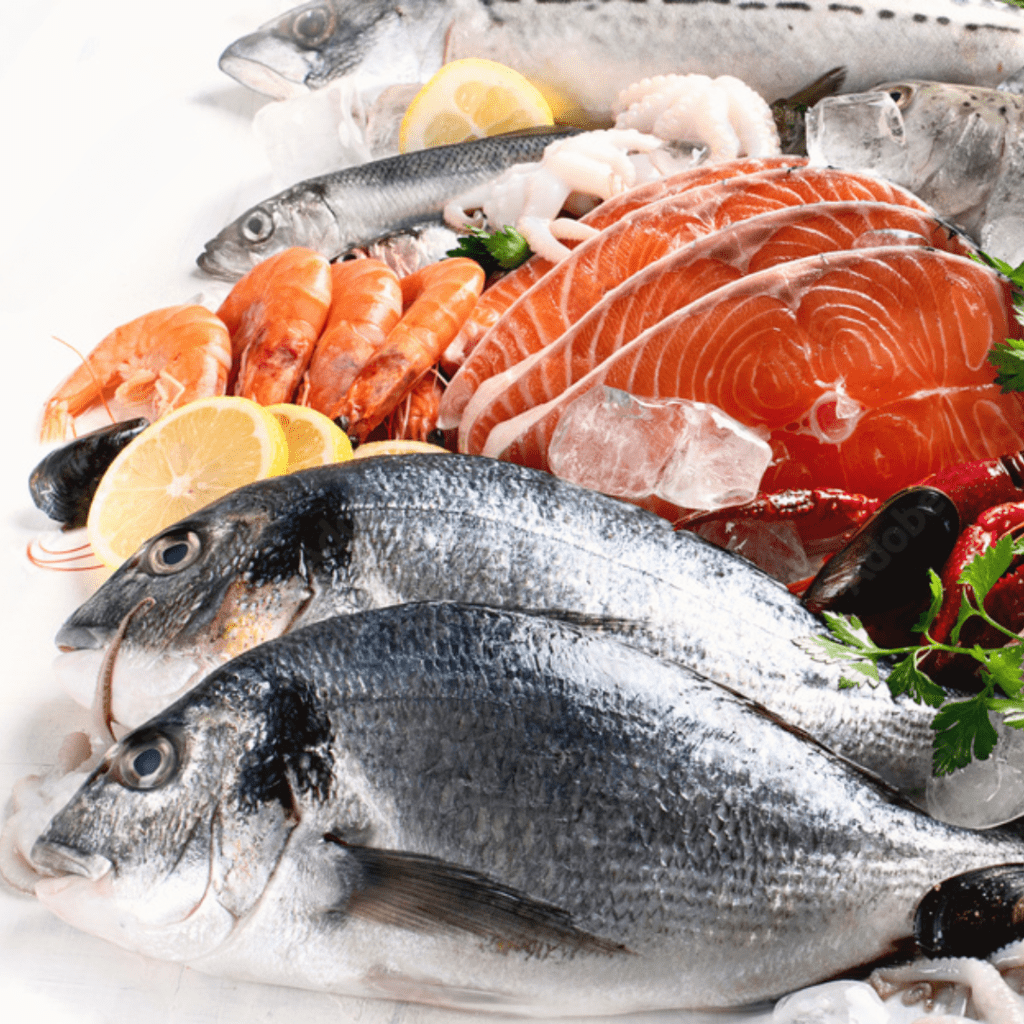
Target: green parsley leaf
{"type": "Point", "coordinates": [983, 571]}
{"type": "Point", "coordinates": [962, 729]}
{"type": "Point", "coordinates": [1003, 666]}
{"type": "Point", "coordinates": [1008, 359]}
{"type": "Point", "coordinates": [924, 623]}
{"type": "Point", "coordinates": [499, 250]}
{"type": "Point", "coordinates": [907, 678]}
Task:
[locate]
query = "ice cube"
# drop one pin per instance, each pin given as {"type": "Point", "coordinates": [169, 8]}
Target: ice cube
{"type": "Point", "coordinates": [835, 1002]}
{"type": "Point", "coordinates": [775, 547]}
{"type": "Point", "coordinates": [985, 793]}
{"type": "Point", "coordinates": [689, 453]}
{"type": "Point", "coordinates": [862, 131]}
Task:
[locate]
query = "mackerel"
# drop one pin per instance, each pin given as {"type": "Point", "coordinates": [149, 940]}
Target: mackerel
{"type": "Point", "coordinates": [301, 548]}
{"type": "Point", "coordinates": [375, 206]}
{"type": "Point", "coordinates": [485, 810]}
{"type": "Point", "coordinates": [581, 53]}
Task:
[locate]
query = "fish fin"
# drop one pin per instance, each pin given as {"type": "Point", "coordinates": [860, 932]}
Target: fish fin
{"type": "Point", "coordinates": [426, 894]}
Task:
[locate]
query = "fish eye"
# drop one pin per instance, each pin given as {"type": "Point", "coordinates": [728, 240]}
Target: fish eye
{"type": "Point", "coordinates": [146, 762]}
{"type": "Point", "coordinates": [173, 552]}
{"type": "Point", "coordinates": [313, 26]}
{"type": "Point", "coordinates": [901, 95]}
{"type": "Point", "coordinates": [258, 226]}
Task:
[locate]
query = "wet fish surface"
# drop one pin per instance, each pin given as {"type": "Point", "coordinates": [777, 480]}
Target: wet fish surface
{"type": "Point", "coordinates": [491, 810]}
{"type": "Point", "coordinates": [357, 207]}
{"type": "Point", "coordinates": [959, 147]}
{"type": "Point", "coordinates": [584, 52]}
{"type": "Point", "coordinates": [301, 548]}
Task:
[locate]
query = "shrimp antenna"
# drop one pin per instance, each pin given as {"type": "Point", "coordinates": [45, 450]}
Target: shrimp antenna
{"type": "Point", "coordinates": [92, 372]}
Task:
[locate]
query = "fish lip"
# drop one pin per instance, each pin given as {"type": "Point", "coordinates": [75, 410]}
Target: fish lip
{"type": "Point", "coordinates": [82, 638]}
{"type": "Point", "coordinates": [58, 859]}
{"type": "Point", "coordinates": [281, 82]}
{"type": "Point", "coordinates": [209, 264]}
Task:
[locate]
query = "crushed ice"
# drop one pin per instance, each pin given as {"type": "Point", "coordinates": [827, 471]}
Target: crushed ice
{"type": "Point", "coordinates": [689, 453]}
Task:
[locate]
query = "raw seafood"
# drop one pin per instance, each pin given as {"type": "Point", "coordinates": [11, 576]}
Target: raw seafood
{"type": "Point", "coordinates": [584, 53]}
{"type": "Point", "coordinates": [301, 548]}
{"type": "Point", "coordinates": [332, 810]}
{"type": "Point", "coordinates": [834, 355]}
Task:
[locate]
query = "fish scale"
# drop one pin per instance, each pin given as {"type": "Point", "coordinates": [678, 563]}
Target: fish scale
{"type": "Point", "coordinates": [610, 832]}
{"type": "Point", "coordinates": [376, 532]}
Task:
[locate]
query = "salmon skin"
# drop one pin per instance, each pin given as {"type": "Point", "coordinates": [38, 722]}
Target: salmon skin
{"type": "Point", "coordinates": [370, 206]}
{"type": "Point", "coordinates": [584, 53]}
{"type": "Point", "coordinates": [836, 355]}
{"type": "Point", "coordinates": [632, 242]}
{"type": "Point", "coordinates": [669, 283]}
{"type": "Point", "coordinates": [292, 550]}
{"type": "Point", "coordinates": [489, 810]}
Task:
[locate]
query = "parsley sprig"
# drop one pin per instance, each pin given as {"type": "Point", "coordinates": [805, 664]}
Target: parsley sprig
{"type": "Point", "coordinates": [498, 250]}
{"type": "Point", "coordinates": [1007, 356]}
{"type": "Point", "coordinates": [962, 727]}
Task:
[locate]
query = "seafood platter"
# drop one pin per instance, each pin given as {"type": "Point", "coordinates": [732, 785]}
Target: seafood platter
{"type": "Point", "coordinates": [524, 513]}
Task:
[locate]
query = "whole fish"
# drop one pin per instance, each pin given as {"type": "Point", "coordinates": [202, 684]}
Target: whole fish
{"type": "Point", "coordinates": [487, 810]}
{"type": "Point", "coordinates": [960, 148]}
{"type": "Point", "coordinates": [301, 548]}
{"type": "Point", "coordinates": [582, 53]}
{"type": "Point", "coordinates": [355, 208]}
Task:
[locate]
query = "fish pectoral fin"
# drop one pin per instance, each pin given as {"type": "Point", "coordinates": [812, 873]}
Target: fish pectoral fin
{"type": "Point", "coordinates": [426, 894]}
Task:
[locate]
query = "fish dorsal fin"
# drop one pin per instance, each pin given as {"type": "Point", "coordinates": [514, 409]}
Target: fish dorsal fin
{"type": "Point", "coordinates": [426, 894]}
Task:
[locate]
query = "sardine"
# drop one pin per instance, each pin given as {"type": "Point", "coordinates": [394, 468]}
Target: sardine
{"type": "Point", "coordinates": [489, 810]}
{"type": "Point", "coordinates": [355, 208]}
{"type": "Point", "coordinates": [582, 53]}
{"type": "Point", "coordinates": [960, 148]}
{"type": "Point", "coordinates": [297, 549]}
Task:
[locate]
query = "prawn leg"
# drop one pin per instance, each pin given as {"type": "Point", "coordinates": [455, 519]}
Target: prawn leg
{"type": "Point", "coordinates": [366, 304]}
{"type": "Point", "coordinates": [415, 416]}
{"type": "Point", "coordinates": [439, 298]}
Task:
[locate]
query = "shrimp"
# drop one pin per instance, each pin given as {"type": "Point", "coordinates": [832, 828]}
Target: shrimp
{"type": "Point", "coordinates": [153, 364]}
{"type": "Point", "coordinates": [415, 416]}
{"type": "Point", "coordinates": [439, 298]}
{"type": "Point", "coordinates": [274, 315]}
{"type": "Point", "coordinates": [366, 303]}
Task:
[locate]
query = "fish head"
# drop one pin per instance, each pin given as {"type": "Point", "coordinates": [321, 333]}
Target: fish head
{"type": "Point", "coordinates": [298, 216]}
{"type": "Point", "coordinates": [384, 42]}
{"type": "Point", "coordinates": [234, 574]}
{"type": "Point", "coordinates": [168, 843]}
{"type": "Point", "coordinates": [944, 142]}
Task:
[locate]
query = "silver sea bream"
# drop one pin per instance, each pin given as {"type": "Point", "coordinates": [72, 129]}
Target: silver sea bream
{"type": "Point", "coordinates": [292, 550]}
{"type": "Point", "coordinates": [483, 809]}
{"type": "Point", "coordinates": [582, 53]}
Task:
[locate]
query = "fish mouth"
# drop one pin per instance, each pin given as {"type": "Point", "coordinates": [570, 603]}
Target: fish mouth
{"type": "Point", "coordinates": [82, 638]}
{"type": "Point", "coordinates": [267, 65]}
{"type": "Point", "coordinates": [210, 264]}
{"type": "Point", "coordinates": [57, 859]}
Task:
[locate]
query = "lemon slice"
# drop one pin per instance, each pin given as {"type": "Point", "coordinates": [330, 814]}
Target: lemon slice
{"type": "Point", "coordinates": [180, 463]}
{"type": "Point", "coordinates": [313, 439]}
{"type": "Point", "coordinates": [470, 99]}
{"type": "Point", "coordinates": [372, 448]}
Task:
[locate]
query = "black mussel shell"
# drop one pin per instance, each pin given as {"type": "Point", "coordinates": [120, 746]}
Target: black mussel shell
{"type": "Point", "coordinates": [62, 485]}
{"type": "Point", "coordinates": [972, 914]}
{"type": "Point", "coordinates": [885, 565]}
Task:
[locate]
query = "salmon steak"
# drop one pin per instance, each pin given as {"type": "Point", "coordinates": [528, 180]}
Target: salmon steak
{"type": "Point", "coordinates": [681, 277]}
{"type": "Point", "coordinates": [500, 296]}
{"type": "Point", "coordinates": [830, 357]}
{"type": "Point", "coordinates": [592, 269]}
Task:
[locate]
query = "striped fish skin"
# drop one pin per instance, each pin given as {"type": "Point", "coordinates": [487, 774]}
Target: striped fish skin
{"type": "Point", "coordinates": [293, 550]}
{"type": "Point", "coordinates": [523, 815]}
{"type": "Point", "coordinates": [361, 206]}
{"type": "Point", "coordinates": [585, 52]}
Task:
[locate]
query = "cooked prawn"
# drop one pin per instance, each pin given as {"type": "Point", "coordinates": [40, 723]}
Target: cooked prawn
{"type": "Point", "coordinates": [153, 364]}
{"type": "Point", "coordinates": [415, 416]}
{"type": "Point", "coordinates": [366, 303]}
{"type": "Point", "coordinates": [275, 315]}
{"type": "Point", "coordinates": [439, 298]}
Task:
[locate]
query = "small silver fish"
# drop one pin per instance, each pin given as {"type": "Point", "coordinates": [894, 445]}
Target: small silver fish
{"type": "Point", "coordinates": [959, 147]}
{"type": "Point", "coordinates": [488, 810]}
{"type": "Point", "coordinates": [582, 53]}
{"type": "Point", "coordinates": [297, 549]}
{"type": "Point", "coordinates": [390, 204]}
